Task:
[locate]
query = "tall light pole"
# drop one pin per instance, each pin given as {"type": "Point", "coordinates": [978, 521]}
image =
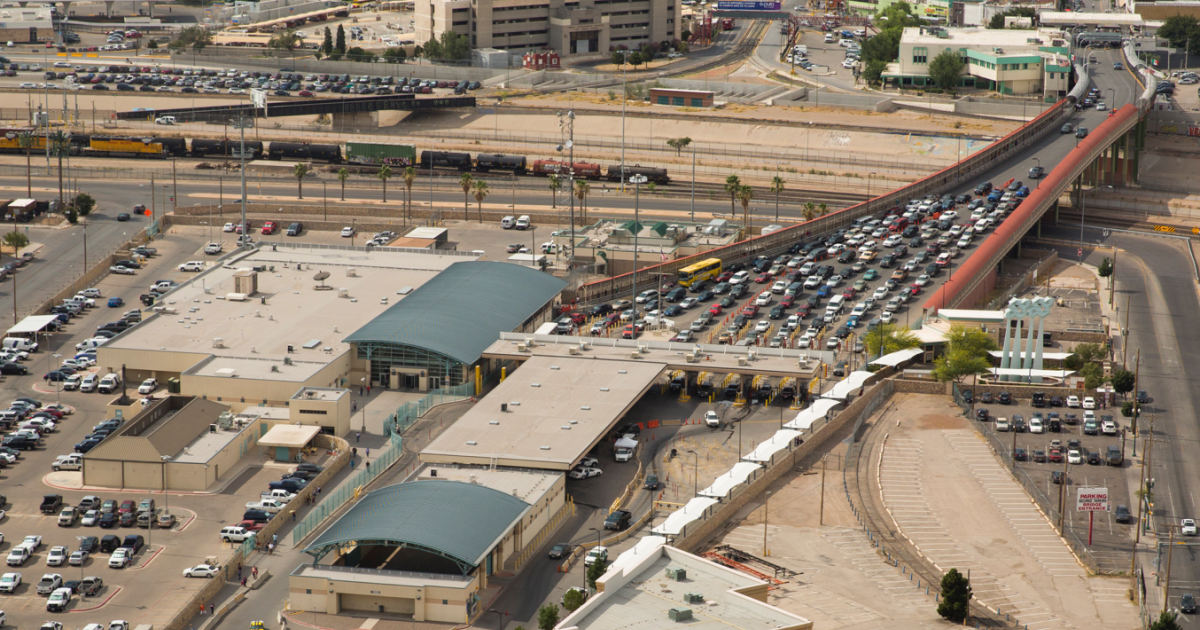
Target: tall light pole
{"type": "Point", "coordinates": [1082, 211]}
{"type": "Point", "coordinates": [695, 473]}
{"type": "Point", "coordinates": [624, 97]}
{"type": "Point", "coordinates": [869, 176]}
{"type": "Point", "coordinates": [637, 181]}
{"type": "Point", "coordinates": [240, 123]}
{"type": "Point", "coordinates": [569, 126]}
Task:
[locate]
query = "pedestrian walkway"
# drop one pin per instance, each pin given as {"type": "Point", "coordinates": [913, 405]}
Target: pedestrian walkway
{"type": "Point", "coordinates": [952, 498]}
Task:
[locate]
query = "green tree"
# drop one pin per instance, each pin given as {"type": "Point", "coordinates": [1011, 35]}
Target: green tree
{"type": "Point", "coordinates": [955, 603]}
{"type": "Point", "coordinates": [822, 209]}
{"type": "Point", "coordinates": [480, 190]}
{"type": "Point", "coordinates": [1181, 30]}
{"type": "Point", "coordinates": [733, 184]}
{"type": "Point", "coordinates": [1122, 381]}
{"type": "Point", "coordinates": [327, 43]}
{"type": "Point", "coordinates": [465, 182]}
{"type": "Point", "coordinates": [286, 40]}
{"type": "Point", "coordinates": [618, 58]}
{"type": "Point", "coordinates": [883, 47]}
{"type": "Point", "coordinates": [358, 54]}
{"type": "Point", "coordinates": [300, 171]}
{"type": "Point", "coordinates": [450, 46]}
{"type": "Point", "coordinates": [582, 189]}
{"type": "Point", "coordinates": [888, 338]}
{"type": "Point", "coordinates": [1093, 376]}
{"type": "Point", "coordinates": [343, 175]}
{"type": "Point", "coordinates": [777, 186]}
{"type": "Point", "coordinates": [152, 44]}
{"type": "Point", "coordinates": [84, 203]}
{"type": "Point", "coordinates": [340, 46]}
{"type": "Point", "coordinates": [1106, 268]}
{"type": "Point", "coordinates": [1166, 621]}
{"type": "Point", "coordinates": [195, 36]}
{"type": "Point", "coordinates": [679, 144]}
{"type": "Point", "coordinates": [72, 216]}
{"type": "Point", "coordinates": [1089, 352]}
{"type": "Point", "coordinates": [409, 176]}
{"type": "Point", "coordinates": [635, 59]}
{"type": "Point", "coordinates": [954, 365]}
{"type": "Point", "coordinates": [810, 211]}
{"type": "Point", "coordinates": [745, 195]}
{"type": "Point", "coordinates": [555, 186]}
{"type": "Point", "coordinates": [573, 599]}
{"type": "Point", "coordinates": [971, 340]}
{"type": "Point", "coordinates": [945, 69]}
{"type": "Point", "coordinates": [548, 617]}
{"type": "Point", "coordinates": [997, 21]}
{"type": "Point", "coordinates": [385, 172]}
{"type": "Point", "coordinates": [395, 54]}
{"type": "Point", "coordinates": [596, 571]}
{"type": "Point", "coordinates": [16, 241]}
{"type": "Point", "coordinates": [872, 72]}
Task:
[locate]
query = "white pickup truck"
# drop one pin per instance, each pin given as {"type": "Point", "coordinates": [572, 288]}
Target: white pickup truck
{"type": "Point", "coordinates": [73, 461]}
{"type": "Point", "coordinates": [270, 506]}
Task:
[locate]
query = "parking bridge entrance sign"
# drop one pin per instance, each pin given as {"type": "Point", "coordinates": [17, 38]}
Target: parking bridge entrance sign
{"type": "Point", "coordinates": [1091, 500]}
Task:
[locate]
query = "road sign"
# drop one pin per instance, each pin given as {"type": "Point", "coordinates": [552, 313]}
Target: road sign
{"type": "Point", "coordinates": [1092, 500]}
{"type": "Point", "coordinates": [1079, 252]}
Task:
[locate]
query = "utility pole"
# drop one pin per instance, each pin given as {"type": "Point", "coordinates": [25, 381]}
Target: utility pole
{"type": "Point", "coordinates": [1062, 498]}
{"type": "Point", "coordinates": [1167, 583]}
{"type": "Point", "coordinates": [1112, 279]}
{"type": "Point", "coordinates": [175, 194]}
{"type": "Point", "coordinates": [821, 519]}
{"type": "Point", "coordinates": [1125, 336]}
{"type": "Point", "coordinates": [1137, 407]}
{"type": "Point", "coordinates": [1146, 452]}
{"type": "Point", "coordinates": [240, 124]}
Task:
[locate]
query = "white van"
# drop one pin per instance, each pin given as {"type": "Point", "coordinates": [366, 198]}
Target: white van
{"type": "Point", "coordinates": [20, 343]}
{"type": "Point", "coordinates": [523, 222]}
{"type": "Point", "coordinates": [164, 120]}
{"type": "Point", "coordinates": [828, 38]}
{"type": "Point", "coordinates": [835, 304]}
{"type": "Point", "coordinates": [109, 383]}
{"type": "Point", "coordinates": [800, 49]}
{"type": "Point", "coordinates": [508, 223]}
{"type": "Point", "coordinates": [845, 43]}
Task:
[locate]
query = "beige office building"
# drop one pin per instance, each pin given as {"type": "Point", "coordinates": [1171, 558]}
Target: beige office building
{"type": "Point", "coordinates": [570, 28]}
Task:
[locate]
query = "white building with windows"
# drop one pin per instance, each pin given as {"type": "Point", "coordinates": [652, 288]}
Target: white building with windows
{"type": "Point", "coordinates": [1008, 61]}
{"type": "Point", "coordinates": [569, 27]}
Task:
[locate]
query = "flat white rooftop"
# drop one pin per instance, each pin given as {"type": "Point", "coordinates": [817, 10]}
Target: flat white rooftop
{"type": "Point", "coordinates": [207, 445]}
{"type": "Point", "coordinates": [527, 485]}
{"type": "Point", "coordinates": [978, 37]}
{"type": "Point", "coordinates": [558, 408]}
{"type": "Point", "coordinates": [638, 594]}
{"type": "Point", "coordinates": [207, 317]}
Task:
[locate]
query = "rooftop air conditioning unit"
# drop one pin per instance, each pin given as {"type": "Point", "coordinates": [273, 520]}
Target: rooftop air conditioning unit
{"type": "Point", "coordinates": [529, 341]}
{"type": "Point", "coordinates": [351, 272]}
{"type": "Point", "coordinates": [691, 357]}
{"type": "Point", "coordinates": [642, 348]}
{"type": "Point", "coordinates": [635, 355]}
{"type": "Point", "coordinates": [742, 361]}
{"type": "Point", "coordinates": [522, 348]}
{"type": "Point", "coordinates": [752, 355]}
{"type": "Point", "coordinates": [572, 350]}
{"type": "Point", "coordinates": [218, 342]}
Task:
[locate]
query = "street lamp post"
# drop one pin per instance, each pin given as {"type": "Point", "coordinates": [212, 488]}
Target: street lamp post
{"type": "Point", "coordinates": [1082, 212]}
{"type": "Point", "coordinates": [166, 497]}
{"type": "Point", "coordinates": [637, 181]}
{"type": "Point", "coordinates": [869, 176]}
{"type": "Point", "coordinates": [695, 473]}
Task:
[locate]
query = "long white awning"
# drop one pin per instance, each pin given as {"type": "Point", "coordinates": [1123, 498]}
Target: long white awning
{"type": "Point", "coordinates": [897, 357]}
{"type": "Point", "coordinates": [32, 324]}
{"type": "Point", "coordinates": [723, 485]}
{"type": "Point", "coordinates": [845, 387]}
{"type": "Point", "coordinates": [781, 441]}
{"type": "Point", "coordinates": [695, 510]}
{"type": "Point", "coordinates": [805, 419]}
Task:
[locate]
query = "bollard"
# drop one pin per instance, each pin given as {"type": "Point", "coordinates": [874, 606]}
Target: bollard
{"type": "Point", "coordinates": [918, 583]}
{"type": "Point", "coordinates": [935, 598]}
{"type": "Point", "coordinates": [926, 590]}
{"type": "Point", "coordinates": [1007, 617]}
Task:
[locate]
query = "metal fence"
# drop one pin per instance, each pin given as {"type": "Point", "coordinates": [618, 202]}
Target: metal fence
{"type": "Point", "coordinates": [333, 501]}
{"type": "Point", "coordinates": [1048, 505]}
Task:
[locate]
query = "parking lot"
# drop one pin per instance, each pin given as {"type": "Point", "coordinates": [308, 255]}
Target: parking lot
{"type": "Point", "coordinates": [152, 588]}
{"type": "Point", "coordinates": [1110, 538]}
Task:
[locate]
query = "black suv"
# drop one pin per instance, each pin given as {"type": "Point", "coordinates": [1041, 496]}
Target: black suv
{"type": "Point", "coordinates": [89, 544]}
{"type": "Point", "coordinates": [134, 543]}
{"type": "Point", "coordinates": [1005, 398]}
{"type": "Point", "coordinates": [618, 520]}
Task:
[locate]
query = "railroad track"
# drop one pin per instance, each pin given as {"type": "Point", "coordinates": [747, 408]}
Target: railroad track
{"type": "Point", "coordinates": [743, 50]}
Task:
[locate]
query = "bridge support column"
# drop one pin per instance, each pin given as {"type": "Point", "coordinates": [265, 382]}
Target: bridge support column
{"type": "Point", "coordinates": [1054, 207]}
{"type": "Point", "coordinates": [1112, 162]}
{"type": "Point", "coordinates": [108, 7]}
{"type": "Point", "coordinates": [1138, 141]}
{"type": "Point", "coordinates": [355, 120]}
{"type": "Point", "coordinates": [150, 9]}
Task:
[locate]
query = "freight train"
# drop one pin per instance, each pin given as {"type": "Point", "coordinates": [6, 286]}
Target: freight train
{"type": "Point", "coordinates": [354, 153]}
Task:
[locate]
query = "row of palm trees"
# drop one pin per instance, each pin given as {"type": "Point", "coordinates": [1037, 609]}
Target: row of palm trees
{"type": "Point", "coordinates": [582, 190]}
{"type": "Point", "coordinates": [739, 192]}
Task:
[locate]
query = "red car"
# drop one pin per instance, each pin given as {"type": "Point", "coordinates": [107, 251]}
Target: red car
{"type": "Point", "coordinates": [252, 526]}
{"type": "Point", "coordinates": [788, 301]}
{"type": "Point", "coordinates": [1056, 456]}
{"type": "Point", "coordinates": [763, 278]}
{"type": "Point", "coordinates": [630, 332]}
{"type": "Point", "coordinates": [750, 310]}
{"type": "Point", "coordinates": [304, 93]}
{"type": "Point", "coordinates": [915, 289]}
{"type": "Point", "coordinates": [269, 227]}
{"type": "Point", "coordinates": [724, 277]}
{"type": "Point", "coordinates": [126, 506]}
{"type": "Point", "coordinates": [715, 309]}
{"type": "Point", "coordinates": [578, 318]}
{"type": "Point", "coordinates": [848, 293]}
{"type": "Point", "coordinates": [804, 311]}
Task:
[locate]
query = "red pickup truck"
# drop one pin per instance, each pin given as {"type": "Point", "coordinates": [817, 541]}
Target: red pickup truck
{"type": "Point", "coordinates": [270, 227]}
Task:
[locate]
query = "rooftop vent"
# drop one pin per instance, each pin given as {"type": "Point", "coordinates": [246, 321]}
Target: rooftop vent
{"type": "Point", "coordinates": [693, 598]}
{"type": "Point", "coordinates": [471, 442]}
{"type": "Point", "coordinates": [678, 574]}
{"type": "Point", "coordinates": [679, 614]}
{"type": "Point", "coordinates": [545, 448]}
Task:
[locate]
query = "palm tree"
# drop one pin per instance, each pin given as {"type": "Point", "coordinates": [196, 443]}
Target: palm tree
{"type": "Point", "coordinates": [385, 172]}
{"type": "Point", "coordinates": [481, 191]}
{"type": "Point", "coordinates": [60, 144]}
{"type": "Point", "coordinates": [745, 194]}
{"type": "Point", "coordinates": [582, 188]}
{"type": "Point", "coordinates": [409, 176]}
{"type": "Point", "coordinates": [27, 140]}
{"type": "Point", "coordinates": [343, 175]}
{"type": "Point", "coordinates": [810, 211]}
{"type": "Point", "coordinates": [465, 181]}
{"type": "Point", "coordinates": [777, 185]}
{"type": "Point", "coordinates": [733, 184]}
{"type": "Point", "coordinates": [299, 172]}
{"type": "Point", "coordinates": [555, 186]}
{"type": "Point", "coordinates": [822, 209]}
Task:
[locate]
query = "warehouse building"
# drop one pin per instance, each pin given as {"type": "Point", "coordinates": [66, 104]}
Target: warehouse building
{"type": "Point", "coordinates": [569, 28]}
{"type": "Point", "coordinates": [426, 547]}
{"type": "Point", "coordinates": [26, 25]}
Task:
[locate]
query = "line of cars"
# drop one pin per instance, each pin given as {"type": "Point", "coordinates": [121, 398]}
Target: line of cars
{"type": "Point", "coordinates": [29, 421]}
{"type": "Point", "coordinates": [271, 501]}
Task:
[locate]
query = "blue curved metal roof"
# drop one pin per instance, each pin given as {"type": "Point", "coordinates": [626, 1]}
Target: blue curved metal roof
{"type": "Point", "coordinates": [464, 309]}
{"type": "Point", "coordinates": [458, 520]}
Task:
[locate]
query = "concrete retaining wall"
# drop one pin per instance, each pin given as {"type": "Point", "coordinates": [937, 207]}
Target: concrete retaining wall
{"type": "Point", "coordinates": [999, 109]}
{"type": "Point", "coordinates": [849, 101]}
{"type": "Point", "coordinates": [723, 512]}
{"type": "Point", "coordinates": [311, 65]}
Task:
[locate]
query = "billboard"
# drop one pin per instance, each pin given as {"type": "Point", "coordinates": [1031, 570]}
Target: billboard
{"type": "Point", "coordinates": [1092, 500]}
{"type": "Point", "coordinates": [748, 5]}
